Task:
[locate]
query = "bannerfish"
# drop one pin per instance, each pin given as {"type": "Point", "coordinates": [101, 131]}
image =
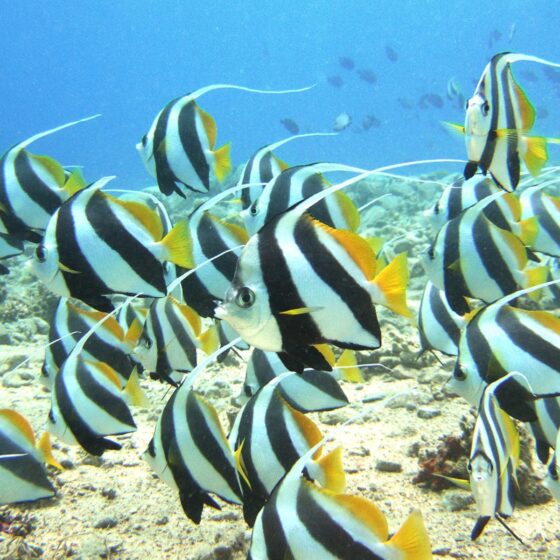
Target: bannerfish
{"type": "Point", "coordinates": [335, 81]}
{"type": "Point", "coordinates": [110, 343]}
{"type": "Point", "coordinates": [370, 121]}
{"type": "Point", "coordinates": [493, 460]}
{"type": "Point", "coordinates": [290, 125]}
{"type": "Point", "coordinates": [22, 475]}
{"type": "Point", "coordinates": [303, 520]}
{"type": "Point", "coordinates": [368, 76]}
{"type": "Point", "coordinates": [263, 166]}
{"type": "Point", "coordinates": [269, 436]}
{"type": "Point", "coordinates": [171, 335]}
{"type": "Point", "coordinates": [342, 121]}
{"type": "Point", "coordinates": [498, 117]}
{"type": "Point", "coordinates": [546, 209]}
{"type": "Point", "coordinates": [295, 275]}
{"type": "Point", "coordinates": [96, 245]}
{"type": "Point", "coordinates": [297, 183]}
{"type": "Point", "coordinates": [473, 258]}
{"type": "Point", "coordinates": [189, 452]}
{"type": "Point", "coordinates": [32, 187]}
{"type": "Point", "coordinates": [346, 62]}
{"type": "Point", "coordinates": [311, 391]}
{"type": "Point", "coordinates": [391, 53]}
{"type": "Point", "coordinates": [10, 246]}
{"type": "Point", "coordinates": [439, 326]}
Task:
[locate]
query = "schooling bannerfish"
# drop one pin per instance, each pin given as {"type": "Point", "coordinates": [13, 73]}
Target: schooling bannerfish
{"type": "Point", "coordinates": [295, 275]}
{"type": "Point", "coordinates": [96, 245]}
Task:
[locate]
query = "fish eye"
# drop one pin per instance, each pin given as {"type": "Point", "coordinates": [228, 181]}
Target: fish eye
{"type": "Point", "coordinates": [430, 251]}
{"type": "Point", "coordinates": [485, 108]}
{"type": "Point", "coordinates": [436, 210]}
{"type": "Point", "coordinates": [248, 391]}
{"type": "Point", "coordinates": [490, 468]}
{"type": "Point", "coordinates": [41, 253]}
{"type": "Point", "coordinates": [51, 416]}
{"type": "Point", "coordinates": [253, 210]}
{"type": "Point", "coordinates": [458, 373]}
{"type": "Point", "coordinates": [147, 342]}
{"type": "Point", "coordinates": [467, 104]}
{"type": "Point", "coordinates": [144, 140]}
{"type": "Point", "coordinates": [245, 297]}
{"type": "Point", "coordinates": [469, 467]}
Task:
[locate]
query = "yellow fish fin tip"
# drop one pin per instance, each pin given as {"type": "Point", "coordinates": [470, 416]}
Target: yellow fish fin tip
{"type": "Point", "coordinates": [178, 243]}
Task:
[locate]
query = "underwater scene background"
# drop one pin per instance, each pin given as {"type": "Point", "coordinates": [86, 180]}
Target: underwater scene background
{"type": "Point", "coordinates": [388, 78]}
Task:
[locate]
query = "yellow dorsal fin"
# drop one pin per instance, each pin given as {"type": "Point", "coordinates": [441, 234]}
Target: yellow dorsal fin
{"type": "Point", "coordinates": [528, 230]}
{"type": "Point", "coordinates": [133, 333]}
{"type": "Point", "coordinates": [515, 246]}
{"type": "Point", "coordinates": [536, 276]}
{"type": "Point", "coordinates": [136, 394]}
{"type": "Point", "coordinates": [350, 372]}
{"type": "Point", "coordinates": [367, 513]}
{"type": "Point", "coordinates": [52, 166]}
{"type": "Point", "coordinates": [376, 244]}
{"type": "Point", "coordinates": [240, 464]}
{"type": "Point", "coordinates": [349, 210]}
{"type": "Point", "coordinates": [281, 163]}
{"type": "Point", "coordinates": [513, 204]}
{"type": "Point", "coordinates": [391, 283]}
{"type": "Point", "coordinates": [213, 417]}
{"type": "Point", "coordinates": [222, 162]}
{"type": "Point", "coordinates": [307, 427]}
{"type": "Point", "coordinates": [20, 423]}
{"type": "Point", "coordinates": [107, 371]}
{"type": "Point", "coordinates": [75, 183]}
{"type": "Point", "coordinates": [45, 447]}
{"type": "Point", "coordinates": [412, 539]}
{"type": "Point", "coordinates": [209, 340]}
{"type": "Point", "coordinates": [192, 317]}
{"type": "Point", "coordinates": [239, 233]}
{"type": "Point", "coordinates": [111, 325]}
{"type": "Point", "coordinates": [355, 245]}
{"type": "Point", "coordinates": [332, 469]}
{"type": "Point", "coordinates": [526, 109]}
{"type": "Point", "coordinates": [327, 353]}
{"type": "Point", "coordinates": [209, 126]}
{"type": "Point", "coordinates": [65, 268]}
{"type": "Point", "coordinates": [536, 154]}
{"type": "Point", "coordinates": [178, 243]}
{"type": "Point", "coordinates": [513, 437]}
{"type": "Point", "coordinates": [141, 213]}
{"type": "Point", "coordinates": [544, 318]}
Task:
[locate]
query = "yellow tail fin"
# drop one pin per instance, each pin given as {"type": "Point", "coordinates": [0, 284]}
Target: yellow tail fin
{"type": "Point", "coordinates": [136, 394]}
{"type": "Point", "coordinates": [178, 243]}
{"type": "Point", "coordinates": [332, 472]}
{"type": "Point", "coordinates": [536, 154]}
{"type": "Point", "coordinates": [412, 538]}
{"type": "Point", "coordinates": [75, 182]}
{"type": "Point", "coordinates": [350, 371]}
{"type": "Point", "coordinates": [536, 276]}
{"type": "Point", "coordinates": [222, 162]}
{"type": "Point", "coordinates": [45, 447]}
{"type": "Point", "coordinates": [390, 285]}
{"type": "Point", "coordinates": [133, 333]}
{"type": "Point", "coordinates": [209, 340]}
{"type": "Point", "coordinates": [528, 230]}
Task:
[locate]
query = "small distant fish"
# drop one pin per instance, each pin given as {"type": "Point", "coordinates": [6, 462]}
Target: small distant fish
{"type": "Point", "coordinates": [32, 187]}
{"type": "Point", "coordinates": [290, 125]}
{"type": "Point", "coordinates": [189, 452]}
{"type": "Point", "coordinates": [335, 81]}
{"type": "Point", "coordinates": [96, 245]}
{"type": "Point", "coordinates": [512, 32]}
{"type": "Point", "coordinates": [423, 101]}
{"type": "Point", "coordinates": [286, 305]}
{"type": "Point", "coordinates": [439, 326]}
{"type": "Point", "coordinates": [343, 121]}
{"type": "Point", "coordinates": [435, 100]}
{"type": "Point", "coordinates": [303, 520]}
{"type": "Point", "coordinates": [346, 62]}
{"type": "Point", "coordinates": [391, 53]}
{"type": "Point", "coordinates": [495, 36]}
{"type": "Point", "coordinates": [370, 121]}
{"type": "Point", "coordinates": [368, 76]}
{"type": "Point", "coordinates": [528, 75]}
{"type": "Point", "coordinates": [405, 103]}
{"type": "Point", "coordinates": [10, 246]}
{"type": "Point", "coordinates": [269, 436]}
{"type": "Point", "coordinates": [542, 112]}
{"type": "Point", "coordinates": [22, 475]}
{"type": "Point", "coordinates": [552, 74]}
{"type": "Point", "coordinates": [473, 258]}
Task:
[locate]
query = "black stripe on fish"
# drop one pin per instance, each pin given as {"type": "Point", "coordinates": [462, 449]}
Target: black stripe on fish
{"type": "Point", "coordinates": [330, 271]}
{"type": "Point", "coordinates": [453, 281]}
{"type": "Point", "coordinates": [455, 199]}
{"type": "Point", "coordinates": [262, 367]}
{"type": "Point", "coordinates": [279, 199]}
{"type": "Point", "coordinates": [178, 329]}
{"type": "Point", "coordinates": [490, 147]}
{"type": "Point", "coordinates": [276, 542]}
{"type": "Point", "coordinates": [135, 254]}
{"type": "Point", "coordinates": [323, 529]}
{"type": "Point", "coordinates": [197, 295]}
{"type": "Point", "coordinates": [546, 221]}
{"type": "Point", "coordinates": [320, 211]}
{"type": "Point", "coordinates": [33, 186]}
{"type": "Point", "coordinates": [441, 315]}
{"type": "Point", "coordinates": [163, 367]}
{"type": "Point", "coordinates": [513, 163]}
{"type": "Point", "coordinates": [190, 140]}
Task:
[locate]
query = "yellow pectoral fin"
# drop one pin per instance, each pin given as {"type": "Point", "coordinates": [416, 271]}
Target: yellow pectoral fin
{"type": "Point", "coordinates": [240, 464]}
{"type": "Point", "coordinates": [64, 268]}
{"type": "Point", "coordinates": [223, 162]}
{"type": "Point", "coordinates": [52, 166]}
{"type": "Point", "coordinates": [327, 353]}
{"type": "Point", "coordinates": [536, 154]}
{"type": "Point", "coordinates": [75, 182]}
{"type": "Point", "coordinates": [135, 392]}
{"type": "Point", "coordinates": [209, 126]}
{"type": "Point", "coordinates": [300, 310]}
{"type": "Point", "coordinates": [454, 127]}
{"type": "Point", "coordinates": [45, 447]}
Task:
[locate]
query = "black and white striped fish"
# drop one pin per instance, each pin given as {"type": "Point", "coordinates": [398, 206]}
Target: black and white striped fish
{"type": "Point", "coordinates": [535, 203]}
{"type": "Point", "coordinates": [190, 452]}
{"type": "Point", "coordinates": [32, 187]}
{"type": "Point", "coordinates": [22, 475]}
{"type": "Point", "coordinates": [179, 149]}
{"type": "Point", "coordinates": [110, 343]}
{"type": "Point", "coordinates": [311, 391]}
{"type": "Point", "coordinates": [170, 338]}
{"type": "Point", "coordinates": [269, 436]}
{"type": "Point", "coordinates": [499, 115]}
{"type": "Point", "coordinates": [493, 460]}
{"type": "Point", "coordinates": [439, 326]}
{"type": "Point", "coordinates": [293, 185]}
{"type": "Point", "coordinates": [96, 244]}
{"type": "Point", "coordinates": [10, 246]}
{"type": "Point", "coordinates": [295, 275]}
{"type": "Point", "coordinates": [302, 521]}
{"type": "Point", "coordinates": [472, 257]}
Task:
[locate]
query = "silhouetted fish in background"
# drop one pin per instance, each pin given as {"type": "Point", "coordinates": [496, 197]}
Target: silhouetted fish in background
{"type": "Point", "coordinates": [335, 81]}
{"type": "Point", "coordinates": [346, 62]}
{"type": "Point", "coordinates": [368, 76]}
{"type": "Point", "coordinates": [391, 53]}
{"type": "Point", "coordinates": [290, 125]}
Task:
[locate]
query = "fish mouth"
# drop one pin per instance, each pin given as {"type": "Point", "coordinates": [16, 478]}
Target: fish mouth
{"type": "Point", "coordinates": [220, 311]}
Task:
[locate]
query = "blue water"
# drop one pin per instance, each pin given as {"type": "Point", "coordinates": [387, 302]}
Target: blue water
{"type": "Point", "coordinates": [64, 60]}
